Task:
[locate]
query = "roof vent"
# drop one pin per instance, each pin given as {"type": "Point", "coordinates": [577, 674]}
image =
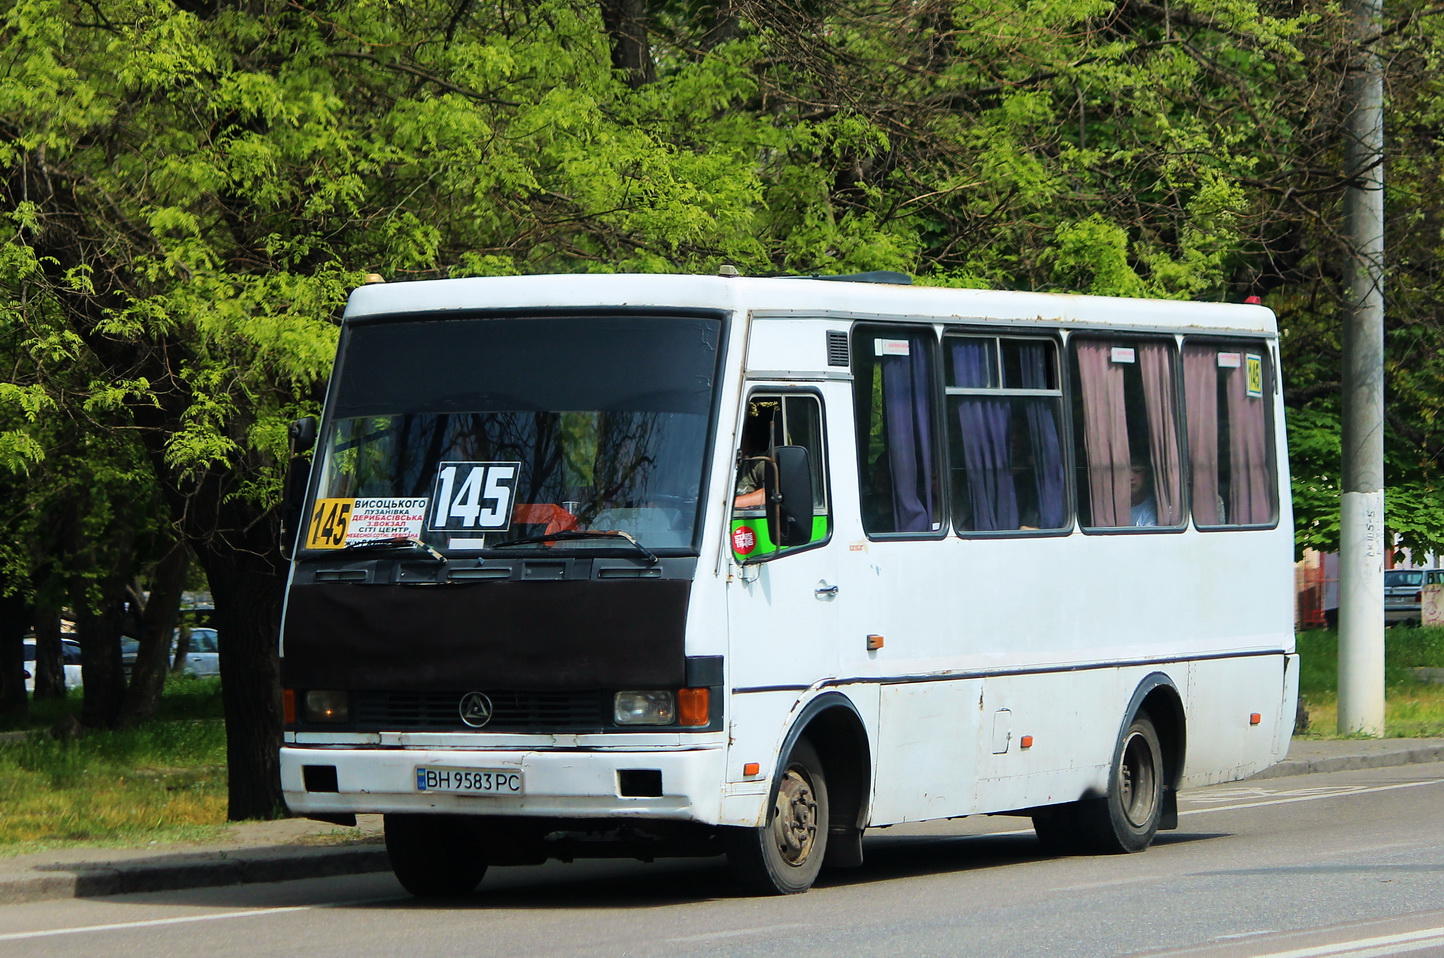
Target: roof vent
{"type": "Point", "coordinates": [875, 276]}
{"type": "Point", "coordinates": [727, 269]}
{"type": "Point", "coordinates": [836, 348]}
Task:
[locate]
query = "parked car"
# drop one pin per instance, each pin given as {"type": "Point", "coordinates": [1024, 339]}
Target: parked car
{"type": "Point", "coordinates": [69, 657]}
{"type": "Point", "coordinates": [1403, 596]}
{"type": "Point", "coordinates": [203, 657]}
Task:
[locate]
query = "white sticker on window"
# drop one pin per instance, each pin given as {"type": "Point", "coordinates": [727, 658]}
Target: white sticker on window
{"type": "Point", "coordinates": [385, 519]}
{"type": "Point", "coordinates": [1123, 354]}
{"type": "Point", "coordinates": [1229, 360]}
{"type": "Point", "coordinates": [473, 496]}
{"type": "Point", "coordinates": [890, 347]}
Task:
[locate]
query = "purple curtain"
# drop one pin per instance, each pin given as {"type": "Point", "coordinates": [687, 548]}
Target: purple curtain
{"type": "Point", "coordinates": [906, 397]}
{"type": "Point", "coordinates": [1105, 435]}
{"type": "Point", "coordinates": [1200, 391]}
{"type": "Point", "coordinates": [1045, 438]}
{"type": "Point", "coordinates": [987, 439]}
{"type": "Point", "coordinates": [1250, 497]}
{"type": "Point", "coordinates": [1156, 365]}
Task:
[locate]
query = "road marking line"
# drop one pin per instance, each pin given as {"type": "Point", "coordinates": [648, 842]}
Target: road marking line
{"type": "Point", "coordinates": [1310, 798]}
{"type": "Point", "coordinates": [739, 933]}
{"type": "Point", "coordinates": [1368, 947]}
{"type": "Point", "coordinates": [187, 919]}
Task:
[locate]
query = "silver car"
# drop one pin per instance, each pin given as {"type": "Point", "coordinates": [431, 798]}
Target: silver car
{"type": "Point", "coordinates": [1403, 596]}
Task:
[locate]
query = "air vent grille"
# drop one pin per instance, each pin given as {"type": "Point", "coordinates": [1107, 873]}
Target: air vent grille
{"type": "Point", "coordinates": [392, 711]}
{"type": "Point", "coordinates": [836, 348]}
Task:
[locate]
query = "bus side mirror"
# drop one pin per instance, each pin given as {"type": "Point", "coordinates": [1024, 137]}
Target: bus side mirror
{"type": "Point", "coordinates": [789, 497]}
{"type": "Point", "coordinates": [302, 434]}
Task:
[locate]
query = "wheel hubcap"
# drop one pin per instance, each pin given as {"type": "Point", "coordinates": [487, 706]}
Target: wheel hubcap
{"type": "Point", "coordinates": [1137, 781]}
{"type": "Point", "coordinates": [794, 820]}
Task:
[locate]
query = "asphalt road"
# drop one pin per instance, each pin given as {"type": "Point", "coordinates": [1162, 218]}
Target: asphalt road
{"type": "Point", "coordinates": [1343, 864]}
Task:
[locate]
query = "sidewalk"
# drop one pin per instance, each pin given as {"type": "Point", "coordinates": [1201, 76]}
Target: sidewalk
{"type": "Point", "coordinates": [297, 848]}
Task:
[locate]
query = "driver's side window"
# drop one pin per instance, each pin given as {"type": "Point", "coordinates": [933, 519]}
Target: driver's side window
{"type": "Point", "coordinates": [774, 427]}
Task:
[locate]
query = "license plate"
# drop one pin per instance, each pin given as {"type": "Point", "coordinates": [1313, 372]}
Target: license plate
{"type": "Point", "coordinates": [469, 781]}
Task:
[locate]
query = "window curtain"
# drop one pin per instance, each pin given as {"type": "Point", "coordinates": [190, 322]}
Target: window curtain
{"type": "Point", "coordinates": [1250, 497]}
{"type": "Point", "coordinates": [987, 439]}
{"type": "Point", "coordinates": [1155, 364]}
{"type": "Point", "coordinates": [1045, 437]}
{"type": "Point", "coordinates": [1200, 385]}
{"type": "Point", "coordinates": [1105, 435]}
{"type": "Point", "coordinates": [907, 410]}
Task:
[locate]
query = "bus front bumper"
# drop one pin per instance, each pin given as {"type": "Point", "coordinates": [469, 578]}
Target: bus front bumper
{"type": "Point", "coordinates": [675, 784]}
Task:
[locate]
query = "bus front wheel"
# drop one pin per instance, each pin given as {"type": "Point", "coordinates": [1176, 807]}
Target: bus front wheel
{"type": "Point", "coordinates": [434, 856]}
{"type": "Point", "coordinates": [784, 856]}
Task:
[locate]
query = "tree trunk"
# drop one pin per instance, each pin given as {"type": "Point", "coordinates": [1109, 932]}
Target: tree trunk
{"type": "Point", "coordinates": [625, 21]}
{"type": "Point", "coordinates": [246, 585]}
{"type": "Point", "coordinates": [14, 614]}
{"type": "Point", "coordinates": [152, 659]}
{"type": "Point", "coordinates": [49, 662]}
{"type": "Point", "coordinates": [99, 626]}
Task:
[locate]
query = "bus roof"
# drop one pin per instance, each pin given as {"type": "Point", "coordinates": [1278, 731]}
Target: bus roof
{"type": "Point", "coordinates": [801, 297]}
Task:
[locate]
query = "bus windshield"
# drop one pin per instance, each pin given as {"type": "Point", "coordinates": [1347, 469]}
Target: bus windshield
{"type": "Point", "coordinates": [468, 433]}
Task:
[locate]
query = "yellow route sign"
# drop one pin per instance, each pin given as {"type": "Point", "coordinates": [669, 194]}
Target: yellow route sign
{"type": "Point", "coordinates": [329, 522]}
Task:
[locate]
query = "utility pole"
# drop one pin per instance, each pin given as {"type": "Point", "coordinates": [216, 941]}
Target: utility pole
{"type": "Point", "coordinates": [1361, 547]}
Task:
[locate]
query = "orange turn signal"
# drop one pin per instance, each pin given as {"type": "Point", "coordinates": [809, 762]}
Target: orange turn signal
{"type": "Point", "coordinates": [751, 769]}
{"type": "Point", "coordinates": [288, 705]}
{"type": "Point", "coordinates": [1026, 741]}
{"type": "Point", "coordinates": [1255, 718]}
{"type": "Point", "coordinates": [693, 706]}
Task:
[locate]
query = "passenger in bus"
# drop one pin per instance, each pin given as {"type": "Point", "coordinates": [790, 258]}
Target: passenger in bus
{"type": "Point", "coordinates": [1140, 487]}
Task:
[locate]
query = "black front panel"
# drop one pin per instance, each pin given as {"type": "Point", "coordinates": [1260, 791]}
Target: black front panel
{"type": "Point", "coordinates": [489, 635]}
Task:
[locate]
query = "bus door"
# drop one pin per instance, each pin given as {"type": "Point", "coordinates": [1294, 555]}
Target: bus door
{"type": "Point", "coordinates": [785, 597]}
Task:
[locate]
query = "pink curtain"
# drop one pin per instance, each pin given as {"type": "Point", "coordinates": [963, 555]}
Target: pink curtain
{"type": "Point", "coordinates": [1250, 492]}
{"type": "Point", "coordinates": [1105, 435]}
{"type": "Point", "coordinates": [1200, 393]}
{"type": "Point", "coordinates": [1156, 365]}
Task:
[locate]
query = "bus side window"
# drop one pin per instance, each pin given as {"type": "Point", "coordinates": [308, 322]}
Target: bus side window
{"type": "Point", "coordinates": [772, 420]}
{"type": "Point", "coordinates": [1228, 393]}
{"type": "Point", "coordinates": [1005, 407]}
{"type": "Point", "coordinates": [898, 446]}
{"type": "Point", "coordinates": [1130, 462]}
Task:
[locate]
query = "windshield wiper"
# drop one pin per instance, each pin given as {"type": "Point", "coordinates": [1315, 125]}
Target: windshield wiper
{"type": "Point", "coordinates": [394, 542]}
{"type": "Point", "coordinates": [577, 534]}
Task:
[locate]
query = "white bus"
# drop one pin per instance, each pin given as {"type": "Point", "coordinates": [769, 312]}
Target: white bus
{"type": "Point", "coordinates": [692, 565]}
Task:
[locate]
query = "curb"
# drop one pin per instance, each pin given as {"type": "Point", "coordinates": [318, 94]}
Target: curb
{"type": "Point", "coordinates": [1413, 755]}
{"type": "Point", "coordinates": [195, 870]}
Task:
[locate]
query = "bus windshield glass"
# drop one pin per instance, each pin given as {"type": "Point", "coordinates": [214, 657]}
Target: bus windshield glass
{"type": "Point", "coordinates": [468, 433]}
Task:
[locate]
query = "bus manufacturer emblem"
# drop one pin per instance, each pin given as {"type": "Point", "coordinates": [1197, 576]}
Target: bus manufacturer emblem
{"type": "Point", "coordinates": [475, 709]}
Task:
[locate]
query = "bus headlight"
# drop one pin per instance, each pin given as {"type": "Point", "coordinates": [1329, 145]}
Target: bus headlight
{"type": "Point", "coordinates": [326, 707]}
{"type": "Point", "coordinates": [644, 708]}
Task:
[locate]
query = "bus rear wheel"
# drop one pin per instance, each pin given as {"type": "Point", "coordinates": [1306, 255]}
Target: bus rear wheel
{"type": "Point", "coordinates": [434, 856]}
{"type": "Point", "coordinates": [784, 856]}
{"type": "Point", "coordinates": [1124, 820]}
{"type": "Point", "coordinates": [1127, 818]}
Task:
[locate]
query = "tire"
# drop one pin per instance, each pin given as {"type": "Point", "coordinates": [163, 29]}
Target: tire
{"type": "Point", "coordinates": [1057, 830]}
{"type": "Point", "coordinates": [1126, 819]}
{"type": "Point", "coordinates": [434, 856]}
{"type": "Point", "coordinates": [784, 856]}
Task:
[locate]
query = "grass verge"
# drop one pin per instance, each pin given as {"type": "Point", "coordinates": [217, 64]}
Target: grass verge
{"type": "Point", "coordinates": [1413, 708]}
{"type": "Point", "coordinates": [163, 782]}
